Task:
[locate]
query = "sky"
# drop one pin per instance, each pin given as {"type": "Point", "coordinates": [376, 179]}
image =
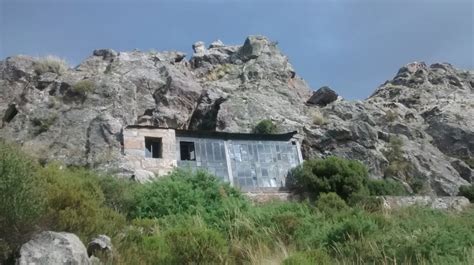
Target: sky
{"type": "Point", "coordinates": [352, 46]}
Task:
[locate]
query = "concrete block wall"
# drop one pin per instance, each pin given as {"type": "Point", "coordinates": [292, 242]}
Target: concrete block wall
{"type": "Point", "coordinates": [134, 150]}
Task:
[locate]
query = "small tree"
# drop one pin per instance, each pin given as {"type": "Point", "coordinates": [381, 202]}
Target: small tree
{"type": "Point", "coordinates": [265, 127]}
{"type": "Point", "coordinates": [394, 154]}
{"type": "Point", "coordinates": [342, 176]}
{"type": "Point", "coordinates": [21, 195]}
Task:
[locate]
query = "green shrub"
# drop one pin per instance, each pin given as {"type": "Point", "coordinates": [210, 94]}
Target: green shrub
{"type": "Point", "coordinates": [333, 174]}
{"type": "Point", "coordinates": [356, 227]}
{"type": "Point", "coordinates": [398, 165]}
{"type": "Point", "coordinates": [418, 185]}
{"type": "Point", "coordinates": [381, 187]}
{"type": "Point", "coordinates": [118, 193]}
{"type": "Point", "coordinates": [21, 195]}
{"type": "Point", "coordinates": [467, 191]}
{"type": "Point", "coordinates": [435, 236]}
{"type": "Point", "coordinates": [196, 245]}
{"type": "Point", "coordinates": [75, 203]}
{"type": "Point", "coordinates": [183, 192]}
{"type": "Point", "coordinates": [43, 124]}
{"type": "Point", "coordinates": [311, 257]}
{"type": "Point", "coordinates": [330, 203]}
{"type": "Point", "coordinates": [138, 245]}
{"type": "Point", "coordinates": [265, 127]}
{"type": "Point", "coordinates": [51, 64]}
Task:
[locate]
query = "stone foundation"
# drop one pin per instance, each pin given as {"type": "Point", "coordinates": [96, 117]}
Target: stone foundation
{"type": "Point", "coordinates": [456, 203]}
{"type": "Point", "coordinates": [268, 196]}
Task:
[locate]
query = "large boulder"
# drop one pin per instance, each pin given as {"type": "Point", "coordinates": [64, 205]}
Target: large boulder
{"type": "Point", "coordinates": [50, 247]}
{"type": "Point", "coordinates": [323, 96]}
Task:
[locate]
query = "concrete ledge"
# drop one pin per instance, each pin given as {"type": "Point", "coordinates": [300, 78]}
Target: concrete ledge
{"type": "Point", "coordinates": [456, 203]}
{"type": "Point", "coordinates": [268, 196]}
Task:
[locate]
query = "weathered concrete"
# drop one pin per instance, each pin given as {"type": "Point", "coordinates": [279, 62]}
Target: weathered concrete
{"type": "Point", "coordinates": [271, 195]}
{"type": "Point", "coordinates": [456, 203]}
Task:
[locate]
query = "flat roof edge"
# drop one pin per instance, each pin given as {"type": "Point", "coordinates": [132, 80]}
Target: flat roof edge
{"type": "Point", "coordinates": [217, 134]}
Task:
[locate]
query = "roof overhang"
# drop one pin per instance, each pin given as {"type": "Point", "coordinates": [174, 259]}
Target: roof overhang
{"type": "Point", "coordinates": [221, 135]}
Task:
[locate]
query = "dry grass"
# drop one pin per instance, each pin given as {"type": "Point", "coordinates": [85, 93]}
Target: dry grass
{"type": "Point", "coordinates": [318, 118]}
{"type": "Point", "coordinates": [50, 63]}
{"type": "Point", "coordinates": [219, 72]}
{"type": "Point", "coordinates": [391, 115]}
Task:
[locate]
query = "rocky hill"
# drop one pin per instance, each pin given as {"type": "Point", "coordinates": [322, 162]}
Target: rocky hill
{"type": "Point", "coordinates": [417, 128]}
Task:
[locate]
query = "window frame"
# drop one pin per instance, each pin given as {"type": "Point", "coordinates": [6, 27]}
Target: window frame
{"type": "Point", "coordinates": [190, 154]}
{"type": "Point", "coordinates": [150, 142]}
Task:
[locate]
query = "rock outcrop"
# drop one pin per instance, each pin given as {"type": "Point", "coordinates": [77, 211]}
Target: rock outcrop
{"type": "Point", "coordinates": [417, 127]}
{"type": "Point", "coordinates": [323, 96]}
{"type": "Point", "coordinates": [53, 248]}
{"type": "Point", "coordinates": [100, 246]}
{"type": "Point", "coordinates": [454, 203]}
{"type": "Point", "coordinates": [424, 115]}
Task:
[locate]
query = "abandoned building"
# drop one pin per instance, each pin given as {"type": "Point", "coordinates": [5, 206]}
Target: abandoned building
{"type": "Point", "coordinates": [247, 161]}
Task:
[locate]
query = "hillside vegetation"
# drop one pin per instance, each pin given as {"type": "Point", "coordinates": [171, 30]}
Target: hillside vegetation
{"type": "Point", "coordinates": [192, 218]}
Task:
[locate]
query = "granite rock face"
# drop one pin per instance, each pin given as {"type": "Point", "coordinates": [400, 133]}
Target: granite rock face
{"type": "Point", "coordinates": [77, 115]}
{"type": "Point", "coordinates": [428, 109]}
{"type": "Point", "coordinates": [54, 248]}
{"type": "Point", "coordinates": [323, 96]}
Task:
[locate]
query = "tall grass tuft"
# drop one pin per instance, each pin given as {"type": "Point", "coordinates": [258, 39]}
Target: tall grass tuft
{"type": "Point", "coordinates": [50, 63]}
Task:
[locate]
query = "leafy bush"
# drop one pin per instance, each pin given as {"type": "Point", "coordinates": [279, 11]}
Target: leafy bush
{"type": "Point", "coordinates": [333, 174]}
{"type": "Point", "coordinates": [182, 192]}
{"type": "Point", "coordinates": [51, 64]}
{"type": "Point", "coordinates": [356, 227]}
{"type": "Point", "coordinates": [118, 193]}
{"type": "Point", "coordinates": [385, 187]}
{"type": "Point", "coordinates": [21, 196]}
{"type": "Point", "coordinates": [43, 124]}
{"type": "Point", "coordinates": [265, 127]}
{"type": "Point", "coordinates": [467, 191]}
{"type": "Point", "coordinates": [330, 203]}
{"type": "Point", "coordinates": [75, 203]}
{"type": "Point", "coordinates": [398, 165]}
